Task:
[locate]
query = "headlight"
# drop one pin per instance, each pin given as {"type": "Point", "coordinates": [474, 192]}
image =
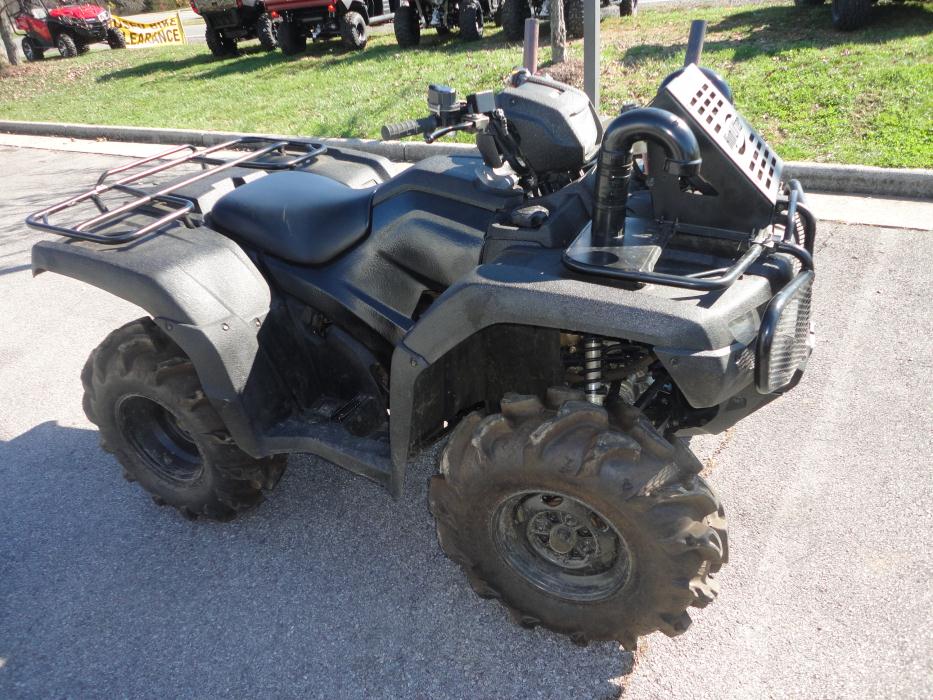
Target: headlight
{"type": "Point", "coordinates": [103, 16]}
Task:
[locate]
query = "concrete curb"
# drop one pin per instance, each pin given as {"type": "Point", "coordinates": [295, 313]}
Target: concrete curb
{"type": "Point", "coordinates": [819, 177]}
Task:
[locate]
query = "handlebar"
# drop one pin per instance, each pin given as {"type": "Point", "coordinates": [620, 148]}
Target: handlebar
{"type": "Point", "coordinates": [411, 127]}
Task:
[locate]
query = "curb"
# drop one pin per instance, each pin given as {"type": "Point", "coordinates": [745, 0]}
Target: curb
{"type": "Point", "coordinates": [915, 183]}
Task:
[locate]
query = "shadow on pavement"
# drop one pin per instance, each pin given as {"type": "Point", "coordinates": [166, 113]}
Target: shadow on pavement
{"type": "Point", "coordinates": [329, 589]}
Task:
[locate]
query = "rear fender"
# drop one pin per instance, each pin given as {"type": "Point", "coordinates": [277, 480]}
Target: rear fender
{"type": "Point", "coordinates": [201, 289]}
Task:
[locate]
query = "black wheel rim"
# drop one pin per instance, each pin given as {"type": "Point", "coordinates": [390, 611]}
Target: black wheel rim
{"type": "Point", "coordinates": [156, 436]}
{"type": "Point", "coordinates": [561, 545]}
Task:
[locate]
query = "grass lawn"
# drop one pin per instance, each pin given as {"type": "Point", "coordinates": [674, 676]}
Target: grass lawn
{"type": "Point", "coordinates": [816, 94]}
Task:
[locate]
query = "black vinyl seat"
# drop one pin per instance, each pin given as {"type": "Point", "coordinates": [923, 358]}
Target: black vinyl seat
{"type": "Point", "coordinates": [297, 216]}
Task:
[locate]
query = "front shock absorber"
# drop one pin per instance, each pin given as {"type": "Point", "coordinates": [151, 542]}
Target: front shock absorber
{"type": "Point", "coordinates": [593, 369]}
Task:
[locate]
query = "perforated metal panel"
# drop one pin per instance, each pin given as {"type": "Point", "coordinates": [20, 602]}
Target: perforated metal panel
{"type": "Point", "coordinates": [718, 118]}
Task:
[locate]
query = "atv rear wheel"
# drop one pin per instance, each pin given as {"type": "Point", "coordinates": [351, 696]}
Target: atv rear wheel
{"type": "Point", "coordinates": [407, 26]}
{"type": "Point", "coordinates": [265, 32]}
{"type": "Point", "coordinates": [573, 18]}
{"type": "Point", "coordinates": [628, 8]}
{"type": "Point", "coordinates": [144, 395]}
{"type": "Point", "coordinates": [584, 521]}
{"type": "Point", "coordinates": [514, 14]}
{"type": "Point", "coordinates": [849, 15]}
{"type": "Point", "coordinates": [471, 21]}
{"type": "Point", "coordinates": [219, 45]}
{"type": "Point", "coordinates": [291, 38]}
{"type": "Point", "coordinates": [353, 31]}
{"type": "Point", "coordinates": [115, 39]}
{"type": "Point", "coordinates": [31, 50]}
{"type": "Point", "coordinates": [66, 46]}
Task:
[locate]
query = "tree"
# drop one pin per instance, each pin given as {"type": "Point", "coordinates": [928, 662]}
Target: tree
{"type": "Point", "coordinates": [6, 32]}
{"type": "Point", "coordinates": [558, 32]}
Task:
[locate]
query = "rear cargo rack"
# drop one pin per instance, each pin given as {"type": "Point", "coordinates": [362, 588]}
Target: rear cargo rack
{"type": "Point", "coordinates": [161, 206]}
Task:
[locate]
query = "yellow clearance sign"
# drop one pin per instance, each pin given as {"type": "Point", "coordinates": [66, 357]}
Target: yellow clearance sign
{"type": "Point", "coordinates": [164, 31]}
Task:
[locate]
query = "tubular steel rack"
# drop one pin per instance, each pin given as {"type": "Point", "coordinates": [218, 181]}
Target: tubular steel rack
{"type": "Point", "coordinates": [155, 203]}
{"type": "Point", "coordinates": [798, 239]}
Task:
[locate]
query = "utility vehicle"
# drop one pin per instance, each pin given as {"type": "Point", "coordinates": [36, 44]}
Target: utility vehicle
{"type": "Point", "coordinates": [322, 19]}
{"type": "Point", "coordinates": [229, 21]}
{"type": "Point", "coordinates": [69, 27]}
{"type": "Point", "coordinates": [562, 314]}
{"type": "Point", "coordinates": [515, 12]}
{"type": "Point", "coordinates": [469, 16]}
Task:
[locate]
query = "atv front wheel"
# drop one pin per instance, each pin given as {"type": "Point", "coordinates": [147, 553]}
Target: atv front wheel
{"type": "Point", "coordinates": [353, 31]}
{"type": "Point", "coordinates": [407, 26]}
{"type": "Point", "coordinates": [291, 38]}
{"type": "Point", "coordinates": [66, 46]}
{"type": "Point", "coordinates": [471, 21]}
{"type": "Point", "coordinates": [144, 395]}
{"type": "Point", "coordinates": [219, 45]}
{"type": "Point", "coordinates": [31, 50]}
{"type": "Point", "coordinates": [582, 520]}
{"type": "Point", "coordinates": [265, 32]}
{"type": "Point", "coordinates": [115, 39]}
{"type": "Point", "coordinates": [514, 14]}
{"type": "Point", "coordinates": [573, 18]}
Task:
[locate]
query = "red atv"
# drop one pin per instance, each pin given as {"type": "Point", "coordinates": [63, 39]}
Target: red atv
{"type": "Point", "coordinates": [69, 27]}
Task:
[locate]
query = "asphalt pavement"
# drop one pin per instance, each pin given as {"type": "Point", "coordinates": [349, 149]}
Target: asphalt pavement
{"type": "Point", "coordinates": [331, 589]}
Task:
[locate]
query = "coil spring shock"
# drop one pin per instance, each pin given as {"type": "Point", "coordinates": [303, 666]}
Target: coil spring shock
{"type": "Point", "coordinates": [593, 369]}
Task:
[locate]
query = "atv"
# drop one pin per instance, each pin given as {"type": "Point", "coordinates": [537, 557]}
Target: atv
{"type": "Point", "coordinates": [69, 27]}
{"type": "Point", "coordinates": [229, 21]}
{"type": "Point", "coordinates": [562, 314]}
{"type": "Point", "coordinates": [321, 19]}
{"type": "Point", "coordinates": [515, 12]}
{"type": "Point", "coordinates": [468, 16]}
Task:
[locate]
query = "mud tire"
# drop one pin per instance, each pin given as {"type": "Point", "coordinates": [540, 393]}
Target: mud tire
{"type": "Point", "coordinates": [407, 26]}
{"type": "Point", "coordinates": [265, 32]}
{"type": "Point", "coordinates": [514, 13]}
{"type": "Point", "coordinates": [138, 365]}
{"type": "Point", "coordinates": [617, 464]}
{"type": "Point", "coordinates": [66, 46]}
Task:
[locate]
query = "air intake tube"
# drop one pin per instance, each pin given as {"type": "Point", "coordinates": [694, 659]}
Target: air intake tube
{"type": "Point", "coordinates": [614, 167]}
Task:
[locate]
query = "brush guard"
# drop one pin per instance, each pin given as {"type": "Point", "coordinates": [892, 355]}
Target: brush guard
{"type": "Point", "coordinates": [162, 206]}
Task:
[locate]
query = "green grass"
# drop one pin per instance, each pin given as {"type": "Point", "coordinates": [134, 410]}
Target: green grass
{"type": "Point", "coordinates": [816, 94]}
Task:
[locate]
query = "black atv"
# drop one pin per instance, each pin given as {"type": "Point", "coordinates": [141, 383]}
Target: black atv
{"type": "Point", "coordinates": [563, 314]}
{"type": "Point", "coordinates": [444, 16]}
{"type": "Point", "coordinates": [230, 21]}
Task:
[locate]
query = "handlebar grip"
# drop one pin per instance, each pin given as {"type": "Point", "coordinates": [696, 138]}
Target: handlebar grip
{"type": "Point", "coordinates": [391, 132]}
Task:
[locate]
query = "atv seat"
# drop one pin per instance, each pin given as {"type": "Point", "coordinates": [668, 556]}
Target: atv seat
{"type": "Point", "coordinates": [297, 216]}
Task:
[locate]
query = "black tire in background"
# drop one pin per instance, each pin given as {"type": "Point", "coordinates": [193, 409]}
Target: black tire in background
{"type": "Point", "coordinates": [578, 519]}
{"type": "Point", "coordinates": [353, 31]}
{"type": "Point", "coordinates": [82, 48]}
{"type": "Point", "coordinates": [851, 14]}
{"type": "Point", "coordinates": [471, 21]}
{"type": "Point", "coordinates": [407, 26]}
{"type": "Point", "coordinates": [627, 8]}
{"type": "Point", "coordinates": [219, 46]}
{"type": "Point", "coordinates": [144, 395]}
{"type": "Point", "coordinates": [265, 32]}
{"type": "Point", "coordinates": [115, 39]}
{"type": "Point", "coordinates": [31, 50]}
{"type": "Point", "coordinates": [291, 39]}
{"type": "Point", "coordinates": [66, 46]}
{"type": "Point", "coordinates": [514, 14]}
{"type": "Point", "coordinates": [573, 18]}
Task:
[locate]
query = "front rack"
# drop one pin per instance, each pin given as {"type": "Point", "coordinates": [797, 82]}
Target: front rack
{"type": "Point", "coordinates": [161, 205]}
{"type": "Point", "coordinates": [797, 239]}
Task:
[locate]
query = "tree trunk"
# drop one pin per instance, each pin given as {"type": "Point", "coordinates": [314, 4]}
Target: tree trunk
{"type": "Point", "coordinates": [6, 33]}
{"type": "Point", "coordinates": [558, 32]}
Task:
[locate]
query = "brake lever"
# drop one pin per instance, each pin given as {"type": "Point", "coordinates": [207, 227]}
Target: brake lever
{"type": "Point", "coordinates": [473, 123]}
